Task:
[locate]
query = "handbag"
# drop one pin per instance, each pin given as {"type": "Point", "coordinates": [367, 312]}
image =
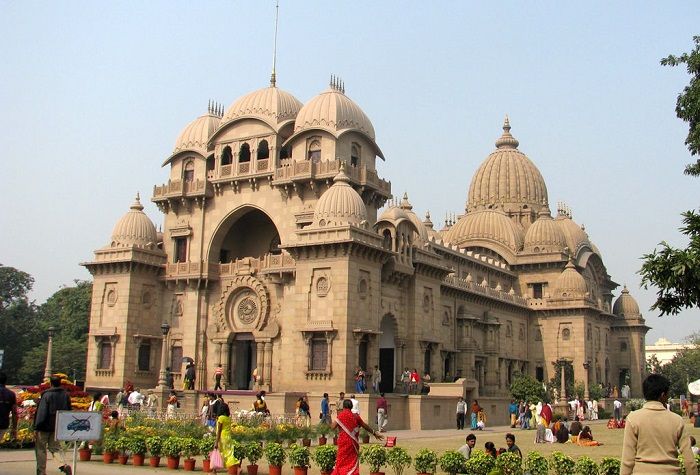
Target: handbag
{"type": "Point", "coordinates": [216, 462]}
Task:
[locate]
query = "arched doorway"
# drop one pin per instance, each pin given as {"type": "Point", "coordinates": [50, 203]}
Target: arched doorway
{"type": "Point", "coordinates": [242, 361]}
{"type": "Point", "coordinates": [387, 352]}
{"type": "Point", "coordinates": [247, 232]}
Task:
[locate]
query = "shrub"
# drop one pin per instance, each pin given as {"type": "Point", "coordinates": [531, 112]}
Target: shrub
{"type": "Point", "coordinates": [373, 455]}
{"type": "Point", "coordinates": [536, 464]}
{"type": "Point", "coordinates": [206, 445]}
{"type": "Point", "coordinates": [172, 446]}
{"type": "Point", "coordinates": [122, 444]}
{"type": "Point", "coordinates": [190, 447]}
{"type": "Point", "coordinates": [155, 446]}
{"type": "Point", "coordinates": [274, 454]}
{"type": "Point", "coordinates": [110, 444]}
{"type": "Point", "coordinates": [425, 461]}
{"type": "Point", "coordinates": [526, 388]}
{"type": "Point", "coordinates": [510, 463]}
{"type": "Point", "coordinates": [253, 451]}
{"type": "Point", "coordinates": [324, 457]}
{"type": "Point", "coordinates": [238, 450]}
{"type": "Point", "coordinates": [452, 462]}
{"type": "Point", "coordinates": [479, 463]}
{"type": "Point", "coordinates": [299, 456]}
{"type": "Point", "coordinates": [398, 459]}
{"type": "Point", "coordinates": [634, 404]}
{"type": "Point", "coordinates": [561, 463]}
{"type": "Point", "coordinates": [585, 466]}
{"type": "Point", "coordinates": [137, 445]}
{"type": "Point", "coordinates": [609, 466]}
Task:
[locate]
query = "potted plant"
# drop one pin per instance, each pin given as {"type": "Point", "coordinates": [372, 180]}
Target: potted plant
{"type": "Point", "coordinates": [154, 444]}
{"type": "Point", "coordinates": [586, 466]}
{"type": "Point", "coordinates": [275, 456]}
{"type": "Point", "coordinates": [510, 463]}
{"type": "Point", "coordinates": [306, 434]}
{"type": "Point", "coordinates": [84, 452]}
{"type": "Point", "coordinates": [110, 448]}
{"type": "Point", "coordinates": [253, 451]}
{"type": "Point", "coordinates": [239, 454]}
{"type": "Point", "coordinates": [398, 459]}
{"type": "Point", "coordinates": [323, 430]}
{"type": "Point", "coordinates": [172, 447]}
{"type": "Point", "coordinates": [375, 456]}
{"type": "Point", "coordinates": [324, 457]}
{"type": "Point", "coordinates": [299, 457]}
{"type": "Point", "coordinates": [425, 461]}
{"type": "Point", "coordinates": [609, 466]}
{"type": "Point", "coordinates": [452, 462]}
{"type": "Point", "coordinates": [561, 463]}
{"type": "Point", "coordinates": [137, 447]}
{"type": "Point", "coordinates": [190, 448]}
{"type": "Point", "coordinates": [536, 464]}
{"type": "Point", "coordinates": [479, 463]}
{"type": "Point", "coordinates": [364, 435]}
{"type": "Point", "coordinates": [206, 445]}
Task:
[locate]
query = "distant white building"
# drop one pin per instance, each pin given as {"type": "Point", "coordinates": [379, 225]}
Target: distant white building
{"type": "Point", "coordinates": [664, 350]}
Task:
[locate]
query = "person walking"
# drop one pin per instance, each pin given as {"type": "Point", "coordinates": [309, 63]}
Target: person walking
{"type": "Point", "coordinates": [52, 400]}
{"type": "Point", "coordinates": [461, 413]}
{"type": "Point", "coordinates": [8, 409]}
{"type": "Point", "coordinates": [654, 436]}
{"type": "Point", "coordinates": [325, 410]}
{"type": "Point", "coordinates": [218, 374]}
{"type": "Point", "coordinates": [382, 413]}
{"type": "Point", "coordinates": [617, 410]}
{"type": "Point", "coordinates": [339, 402]}
{"type": "Point", "coordinates": [376, 379]}
{"type": "Point", "coordinates": [475, 411]}
{"type": "Point", "coordinates": [513, 411]}
{"type": "Point", "coordinates": [347, 461]}
{"type": "Point", "coordinates": [190, 376]}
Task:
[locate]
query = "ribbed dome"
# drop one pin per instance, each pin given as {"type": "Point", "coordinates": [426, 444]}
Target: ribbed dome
{"type": "Point", "coordinates": [196, 135]}
{"type": "Point", "coordinates": [544, 235]}
{"type": "Point", "coordinates": [135, 229]}
{"type": "Point", "coordinates": [335, 112]}
{"type": "Point", "coordinates": [576, 238]}
{"type": "Point", "coordinates": [488, 224]}
{"type": "Point", "coordinates": [570, 283]}
{"type": "Point", "coordinates": [393, 214]}
{"type": "Point", "coordinates": [507, 179]}
{"type": "Point", "coordinates": [271, 105]}
{"type": "Point", "coordinates": [408, 209]}
{"type": "Point", "coordinates": [340, 204]}
{"type": "Point", "coordinates": [626, 306]}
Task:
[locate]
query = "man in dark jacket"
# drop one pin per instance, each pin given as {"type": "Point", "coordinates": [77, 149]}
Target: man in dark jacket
{"type": "Point", "coordinates": [189, 376]}
{"type": "Point", "coordinates": [52, 400]}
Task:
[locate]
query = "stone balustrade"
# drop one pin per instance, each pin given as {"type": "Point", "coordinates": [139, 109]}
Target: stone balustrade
{"type": "Point", "coordinates": [487, 291]}
{"type": "Point", "coordinates": [267, 264]}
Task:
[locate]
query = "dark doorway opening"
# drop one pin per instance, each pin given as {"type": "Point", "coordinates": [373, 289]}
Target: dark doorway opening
{"type": "Point", "coordinates": [386, 365]}
{"type": "Point", "coordinates": [242, 358]}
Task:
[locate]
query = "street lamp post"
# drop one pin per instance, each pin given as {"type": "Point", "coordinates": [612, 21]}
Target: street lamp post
{"type": "Point", "coordinates": [163, 377]}
{"type": "Point", "coordinates": [586, 394]}
{"type": "Point", "coordinates": [49, 354]}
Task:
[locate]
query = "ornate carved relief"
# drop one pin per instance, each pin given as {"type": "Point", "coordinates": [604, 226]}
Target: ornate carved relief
{"type": "Point", "coordinates": [244, 306]}
{"type": "Point", "coordinates": [323, 285]}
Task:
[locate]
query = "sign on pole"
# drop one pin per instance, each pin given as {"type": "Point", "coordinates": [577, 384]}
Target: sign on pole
{"type": "Point", "coordinates": [75, 426]}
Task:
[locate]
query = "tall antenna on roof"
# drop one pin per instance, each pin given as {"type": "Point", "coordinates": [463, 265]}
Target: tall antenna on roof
{"type": "Point", "coordinates": [273, 76]}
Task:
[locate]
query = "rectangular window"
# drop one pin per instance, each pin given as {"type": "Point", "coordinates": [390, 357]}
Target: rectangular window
{"type": "Point", "coordinates": [176, 359]}
{"type": "Point", "coordinates": [536, 291]}
{"type": "Point", "coordinates": [539, 373]}
{"type": "Point", "coordinates": [105, 360]}
{"type": "Point", "coordinates": [319, 353]}
{"type": "Point", "coordinates": [144, 359]}
{"type": "Point", "coordinates": [180, 250]}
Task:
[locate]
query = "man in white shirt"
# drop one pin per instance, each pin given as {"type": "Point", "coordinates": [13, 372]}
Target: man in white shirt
{"type": "Point", "coordinates": [461, 413]}
{"type": "Point", "coordinates": [136, 399]}
{"type": "Point", "coordinates": [617, 410]}
{"type": "Point", "coordinates": [355, 405]}
{"type": "Point", "coordinates": [466, 449]}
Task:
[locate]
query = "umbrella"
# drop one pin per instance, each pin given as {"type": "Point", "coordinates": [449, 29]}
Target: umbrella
{"type": "Point", "coordinates": [694, 388]}
{"type": "Point", "coordinates": [187, 359]}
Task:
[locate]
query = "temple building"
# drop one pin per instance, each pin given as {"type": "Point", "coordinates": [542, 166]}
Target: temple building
{"type": "Point", "coordinates": [284, 253]}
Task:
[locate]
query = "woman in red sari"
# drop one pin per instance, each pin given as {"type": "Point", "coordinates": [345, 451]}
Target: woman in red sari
{"type": "Point", "coordinates": [347, 462]}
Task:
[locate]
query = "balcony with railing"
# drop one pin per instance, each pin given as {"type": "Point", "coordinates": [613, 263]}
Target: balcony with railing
{"type": "Point", "coordinates": [471, 287]}
{"type": "Point", "coordinates": [291, 171]}
{"type": "Point", "coordinates": [241, 170]}
{"type": "Point", "coordinates": [267, 264]}
{"type": "Point", "coordinates": [176, 189]}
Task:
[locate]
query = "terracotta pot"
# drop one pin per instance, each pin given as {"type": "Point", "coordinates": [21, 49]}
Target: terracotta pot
{"type": "Point", "coordinates": [306, 442]}
{"type": "Point", "coordinates": [275, 470]}
{"type": "Point", "coordinates": [137, 459]}
{"type": "Point", "coordinates": [84, 454]}
{"type": "Point", "coordinates": [322, 440]}
{"type": "Point", "coordinates": [233, 469]}
{"type": "Point", "coordinates": [188, 464]}
{"type": "Point", "coordinates": [123, 458]}
{"type": "Point", "coordinates": [107, 457]}
{"type": "Point", "coordinates": [173, 463]}
{"type": "Point", "coordinates": [154, 461]}
{"type": "Point", "coordinates": [365, 439]}
{"type": "Point", "coordinates": [206, 465]}
{"type": "Point", "coordinates": [252, 469]}
{"type": "Point", "coordinates": [301, 470]}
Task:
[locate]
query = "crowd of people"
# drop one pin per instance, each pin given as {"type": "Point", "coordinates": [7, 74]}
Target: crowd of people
{"type": "Point", "coordinates": [490, 447]}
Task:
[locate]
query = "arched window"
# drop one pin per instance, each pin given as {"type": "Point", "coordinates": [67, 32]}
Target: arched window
{"type": "Point", "coordinates": [314, 153]}
{"type": "Point", "coordinates": [188, 175]}
{"type": "Point", "coordinates": [226, 156]}
{"type": "Point", "coordinates": [355, 155]}
{"type": "Point", "coordinates": [244, 153]}
{"type": "Point", "coordinates": [386, 241]}
{"type": "Point", "coordinates": [144, 356]}
{"type": "Point", "coordinates": [623, 346]}
{"type": "Point", "coordinates": [285, 152]}
{"type": "Point", "coordinates": [104, 361]}
{"type": "Point", "coordinates": [565, 334]}
{"type": "Point", "coordinates": [263, 150]}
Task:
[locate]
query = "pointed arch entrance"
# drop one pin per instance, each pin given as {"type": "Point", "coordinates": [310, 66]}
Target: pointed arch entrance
{"type": "Point", "coordinates": [387, 353]}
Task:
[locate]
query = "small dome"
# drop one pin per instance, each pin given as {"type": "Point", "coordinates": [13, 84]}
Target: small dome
{"type": "Point", "coordinates": [135, 229]}
{"type": "Point", "coordinates": [408, 209]}
{"type": "Point", "coordinates": [271, 105]}
{"type": "Point", "coordinates": [507, 179]}
{"type": "Point", "coordinates": [334, 112]}
{"type": "Point", "coordinates": [393, 214]}
{"type": "Point", "coordinates": [626, 306]}
{"type": "Point", "coordinates": [340, 204]}
{"type": "Point", "coordinates": [196, 135]}
{"type": "Point", "coordinates": [487, 224]}
{"type": "Point", "coordinates": [576, 237]}
{"type": "Point", "coordinates": [570, 283]}
{"type": "Point", "coordinates": [544, 235]}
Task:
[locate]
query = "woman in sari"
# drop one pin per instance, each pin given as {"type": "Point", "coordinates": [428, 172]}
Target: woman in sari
{"type": "Point", "coordinates": [223, 437]}
{"type": "Point", "coordinates": [474, 416]}
{"type": "Point", "coordinates": [347, 462]}
{"type": "Point", "coordinates": [585, 438]}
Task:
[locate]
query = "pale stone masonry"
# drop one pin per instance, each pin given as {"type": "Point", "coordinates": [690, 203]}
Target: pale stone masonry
{"type": "Point", "coordinates": [283, 250]}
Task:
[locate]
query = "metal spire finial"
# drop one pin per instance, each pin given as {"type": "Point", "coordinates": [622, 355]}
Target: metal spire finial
{"type": "Point", "coordinates": [273, 76]}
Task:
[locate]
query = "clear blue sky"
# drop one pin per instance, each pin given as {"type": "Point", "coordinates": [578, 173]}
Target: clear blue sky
{"type": "Point", "coordinates": [94, 94]}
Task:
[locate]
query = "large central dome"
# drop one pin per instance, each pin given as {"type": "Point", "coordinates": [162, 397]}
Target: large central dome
{"type": "Point", "coordinates": [507, 180]}
{"type": "Point", "coordinates": [271, 105]}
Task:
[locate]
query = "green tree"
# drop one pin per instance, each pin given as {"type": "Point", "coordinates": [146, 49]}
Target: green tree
{"type": "Point", "coordinates": [676, 272]}
{"type": "Point", "coordinates": [555, 382]}
{"type": "Point", "coordinates": [527, 388]}
{"type": "Point", "coordinates": [682, 369]}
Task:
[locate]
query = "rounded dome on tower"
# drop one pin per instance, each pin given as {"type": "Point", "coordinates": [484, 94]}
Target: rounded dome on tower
{"type": "Point", "coordinates": [135, 229]}
{"type": "Point", "coordinates": [576, 238]}
{"type": "Point", "coordinates": [406, 206]}
{"type": "Point", "coordinates": [271, 105]}
{"type": "Point", "coordinates": [570, 283]}
{"type": "Point", "coordinates": [507, 179]}
{"type": "Point", "coordinates": [488, 224]}
{"type": "Point", "coordinates": [394, 215]}
{"type": "Point", "coordinates": [626, 306]}
{"type": "Point", "coordinates": [544, 235]}
{"type": "Point", "coordinates": [340, 204]}
{"type": "Point", "coordinates": [196, 135]}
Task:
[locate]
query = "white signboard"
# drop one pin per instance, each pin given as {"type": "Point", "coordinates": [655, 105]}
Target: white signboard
{"type": "Point", "coordinates": [75, 425]}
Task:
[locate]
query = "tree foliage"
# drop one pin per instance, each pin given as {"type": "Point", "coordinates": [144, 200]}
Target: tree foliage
{"type": "Point", "coordinates": [682, 369]}
{"type": "Point", "coordinates": [526, 388]}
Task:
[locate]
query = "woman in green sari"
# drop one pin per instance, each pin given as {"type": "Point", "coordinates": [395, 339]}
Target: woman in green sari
{"type": "Point", "coordinates": [224, 442]}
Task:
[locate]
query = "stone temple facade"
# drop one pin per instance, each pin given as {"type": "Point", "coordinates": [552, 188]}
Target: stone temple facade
{"type": "Point", "coordinates": [283, 251]}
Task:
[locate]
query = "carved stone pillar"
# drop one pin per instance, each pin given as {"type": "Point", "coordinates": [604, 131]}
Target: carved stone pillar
{"type": "Point", "coordinates": [225, 347]}
{"type": "Point", "coordinates": [260, 363]}
{"type": "Point", "coordinates": [329, 342]}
